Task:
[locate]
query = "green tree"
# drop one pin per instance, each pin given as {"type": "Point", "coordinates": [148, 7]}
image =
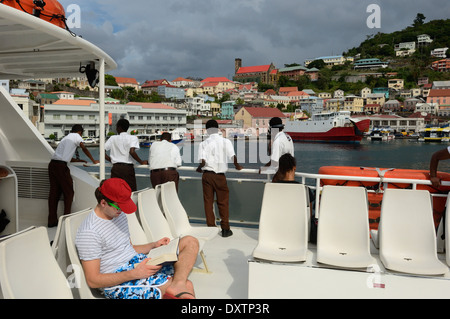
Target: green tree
{"type": "Point", "coordinates": [418, 21]}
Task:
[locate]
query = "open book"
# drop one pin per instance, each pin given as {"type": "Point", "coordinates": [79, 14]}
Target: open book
{"type": "Point", "coordinates": [163, 254]}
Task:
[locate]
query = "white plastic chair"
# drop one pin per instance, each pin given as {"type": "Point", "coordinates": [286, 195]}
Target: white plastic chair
{"type": "Point", "coordinates": [406, 233]}
{"type": "Point", "coordinates": [72, 223]}
{"type": "Point", "coordinates": [284, 222]}
{"type": "Point", "coordinates": [28, 269]}
{"type": "Point", "coordinates": [59, 246]}
{"type": "Point", "coordinates": [447, 231]}
{"type": "Point", "coordinates": [343, 238]}
{"type": "Point", "coordinates": [177, 217]}
{"type": "Point", "coordinates": [155, 224]}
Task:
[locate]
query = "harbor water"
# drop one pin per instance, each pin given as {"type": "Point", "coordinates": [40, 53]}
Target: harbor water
{"type": "Point", "coordinates": [398, 153]}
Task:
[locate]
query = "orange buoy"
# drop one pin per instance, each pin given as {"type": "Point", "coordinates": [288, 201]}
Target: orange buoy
{"type": "Point", "coordinates": [48, 10]}
{"type": "Point", "coordinates": [375, 198]}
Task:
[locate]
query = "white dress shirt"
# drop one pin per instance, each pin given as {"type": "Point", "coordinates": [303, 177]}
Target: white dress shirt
{"type": "Point", "coordinates": [119, 147]}
{"type": "Point", "coordinates": [67, 147]}
{"type": "Point", "coordinates": [282, 144]}
{"type": "Point", "coordinates": [216, 151]}
{"type": "Point", "coordinates": [164, 154]}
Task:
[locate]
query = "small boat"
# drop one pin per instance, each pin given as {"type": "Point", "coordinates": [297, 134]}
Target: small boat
{"type": "Point", "coordinates": [381, 134]}
{"type": "Point", "coordinates": [435, 134]}
{"type": "Point", "coordinates": [146, 140]}
{"type": "Point", "coordinates": [328, 127]}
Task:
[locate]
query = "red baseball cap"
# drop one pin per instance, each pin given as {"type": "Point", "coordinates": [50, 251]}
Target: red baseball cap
{"type": "Point", "coordinates": [117, 190]}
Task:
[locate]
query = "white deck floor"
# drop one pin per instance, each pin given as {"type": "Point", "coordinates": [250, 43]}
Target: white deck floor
{"type": "Point", "coordinates": [227, 259]}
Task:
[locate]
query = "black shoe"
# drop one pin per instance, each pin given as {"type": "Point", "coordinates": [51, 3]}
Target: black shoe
{"type": "Point", "coordinates": [226, 232]}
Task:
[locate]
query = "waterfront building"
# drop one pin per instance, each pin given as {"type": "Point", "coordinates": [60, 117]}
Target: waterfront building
{"type": "Point", "coordinates": [397, 123]}
{"type": "Point", "coordinates": [147, 118]}
{"type": "Point", "coordinates": [311, 104]}
{"type": "Point", "coordinates": [258, 117]}
{"type": "Point", "coordinates": [197, 106]}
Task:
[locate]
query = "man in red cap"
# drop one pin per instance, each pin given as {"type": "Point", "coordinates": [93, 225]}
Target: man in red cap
{"type": "Point", "coordinates": [111, 262]}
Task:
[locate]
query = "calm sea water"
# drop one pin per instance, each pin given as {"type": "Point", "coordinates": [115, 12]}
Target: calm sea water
{"type": "Point", "coordinates": [406, 154]}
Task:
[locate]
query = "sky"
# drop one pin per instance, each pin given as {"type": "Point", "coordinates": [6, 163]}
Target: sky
{"type": "Point", "coordinates": [166, 39]}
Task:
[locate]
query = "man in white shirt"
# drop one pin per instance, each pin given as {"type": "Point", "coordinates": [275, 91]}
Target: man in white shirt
{"type": "Point", "coordinates": [280, 143]}
{"type": "Point", "coordinates": [214, 154]}
{"type": "Point", "coordinates": [122, 149]}
{"type": "Point", "coordinates": [164, 158]}
{"type": "Point", "coordinates": [59, 173]}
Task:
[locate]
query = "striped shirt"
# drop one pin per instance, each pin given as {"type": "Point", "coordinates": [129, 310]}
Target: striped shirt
{"type": "Point", "coordinates": [107, 240]}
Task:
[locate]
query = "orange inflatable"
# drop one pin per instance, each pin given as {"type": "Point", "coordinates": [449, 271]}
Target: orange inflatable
{"type": "Point", "coordinates": [48, 10]}
{"type": "Point", "coordinates": [375, 198]}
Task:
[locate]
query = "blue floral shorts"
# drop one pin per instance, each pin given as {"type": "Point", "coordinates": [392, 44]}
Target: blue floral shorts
{"type": "Point", "coordinates": [146, 288]}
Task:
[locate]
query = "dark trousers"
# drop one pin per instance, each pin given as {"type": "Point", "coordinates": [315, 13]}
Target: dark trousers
{"type": "Point", "coordinates": [60, 183]}
{"type": "Point", "coordinates": [216, 184]}
{"type": "Point", "coordinates": [126, 172]}
{"type": "Point", "coordinates": [158, 177]}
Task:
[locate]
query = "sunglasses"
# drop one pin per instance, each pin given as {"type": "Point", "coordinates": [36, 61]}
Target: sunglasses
{"type": "Point", "coordinates": [114, 205]}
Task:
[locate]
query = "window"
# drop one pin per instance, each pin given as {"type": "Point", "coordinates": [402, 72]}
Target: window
{"type": "Point", "coordinates": [56, 116]}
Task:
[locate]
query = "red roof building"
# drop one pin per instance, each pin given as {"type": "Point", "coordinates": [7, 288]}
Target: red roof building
{"type": "Point", "coordinates": [258, 117]}
{"type": "Point", "coordinates": [258, 73]}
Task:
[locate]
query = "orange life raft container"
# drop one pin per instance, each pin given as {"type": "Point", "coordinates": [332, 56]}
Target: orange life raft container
{"type": "Point", "coordinates": [375, 198]}
{"type": "Point", "coordinates": [48, 10]}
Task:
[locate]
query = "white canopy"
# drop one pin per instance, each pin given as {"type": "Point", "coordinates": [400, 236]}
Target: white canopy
{"type": "Point", "coordinates": [33, 48]}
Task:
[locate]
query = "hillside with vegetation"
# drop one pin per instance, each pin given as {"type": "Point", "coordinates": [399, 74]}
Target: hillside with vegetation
{"type": "Point", "coordinates": [381, 45]}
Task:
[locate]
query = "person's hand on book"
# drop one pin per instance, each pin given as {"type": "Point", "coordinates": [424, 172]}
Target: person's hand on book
{"type": "Point", "coordinates": [144, 271]}
{"type": "Point", "coordinates": [162, 242]}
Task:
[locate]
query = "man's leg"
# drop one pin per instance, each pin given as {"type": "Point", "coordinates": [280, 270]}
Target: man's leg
{"type": "Point", "coordinates": [208, 198]}
{"type": "Point", "coordinates": [187, 256]}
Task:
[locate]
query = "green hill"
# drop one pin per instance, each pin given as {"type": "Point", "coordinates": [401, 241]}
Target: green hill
{"type": "Point", "coordinates": [381, 45]}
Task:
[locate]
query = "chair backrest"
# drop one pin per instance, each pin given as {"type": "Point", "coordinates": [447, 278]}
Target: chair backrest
{"type": "Point", "coordinates": [407, 233]}
{"type": "Point", "coordinates": [137, 234]}
{"type": "Point", "coordinates": [406, 222]}
{"type": "Point", "coordinates": [71, 227]}
{"type": "Point", "coordinates": [173, 210]}
{"type": "Point", "coordinates": [153, 221]}
{"type": "Point", "coordinates": [59, 247]}
{"type": "Point", "coordinates": [28, 269]}
{"type": "Point", "coordinates": [343, 237]}
{"type": "Point", "coordinates": [284, 219]}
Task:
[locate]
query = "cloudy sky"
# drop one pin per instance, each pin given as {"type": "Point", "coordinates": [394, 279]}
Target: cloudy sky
{"type": "Point", "coordinates": [156, 39]}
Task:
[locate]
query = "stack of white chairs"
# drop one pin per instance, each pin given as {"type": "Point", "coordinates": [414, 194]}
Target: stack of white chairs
{"type": "Point", "coordinates": [284, 223]}
{"type": "Point", "coordinates": [407, 237]}
{"type": "Point", "coordinates": [343, 238]}
{"type": "Point", "coordinates": [155, 224]}
{"type": "Point", "coordinates": [177, 217]}
{"type": "Point", "coordinates": [28, 269]}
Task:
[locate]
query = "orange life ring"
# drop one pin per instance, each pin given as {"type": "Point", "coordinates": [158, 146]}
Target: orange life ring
{"type": "Point", "coordinates": [48, 10]}
{"type": "Point", "coordinates": [375, 198]}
